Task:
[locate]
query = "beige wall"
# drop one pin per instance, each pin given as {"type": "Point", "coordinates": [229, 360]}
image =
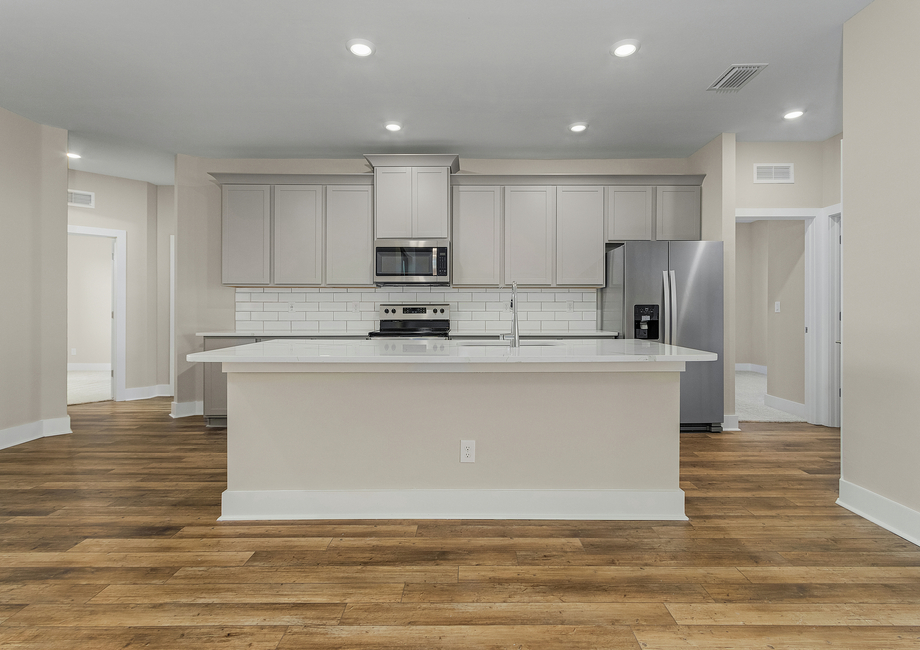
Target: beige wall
{"type": "Point", "coordinates": [89, 299]}
{"type": "Point", "coordinates": [129, 205]}
{"type": "Point", "coordinates": [166, 226]}
{"type": "Point", "coordinates": [881, 227]}
{"type": "Point", "coordinates": [33, 263]}
{"type": "Point", "coordinates": [717, 161]}
{"type": "Point", "coordinates": [786, 329]}
{"type": "Point", "coordinates": [830, 162]}
{"type": "Point", "coordinates": [806, 192]}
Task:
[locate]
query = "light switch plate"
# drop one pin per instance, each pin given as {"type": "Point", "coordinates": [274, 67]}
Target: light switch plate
{"type": "Point", "coordinates": [776, 307]}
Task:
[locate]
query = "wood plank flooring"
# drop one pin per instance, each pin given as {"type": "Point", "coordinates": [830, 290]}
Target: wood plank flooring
{"type": "Point", "coordinates": [109, 539]}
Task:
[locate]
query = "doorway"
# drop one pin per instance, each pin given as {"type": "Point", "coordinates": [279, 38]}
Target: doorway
{"type": "Point", "coordinates": [97, 288]}
{"type": "Point", "coordinates": [90, 318]}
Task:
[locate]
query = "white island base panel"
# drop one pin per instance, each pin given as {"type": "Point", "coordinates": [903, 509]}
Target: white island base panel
{"type": "Point", "coordinates": [311, 442]}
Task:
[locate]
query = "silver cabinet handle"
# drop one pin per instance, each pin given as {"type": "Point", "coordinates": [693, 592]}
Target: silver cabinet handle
{"type": "Point", "coordinates": [666, 325]}
{"type": "Point", "coordinates": [673, 320]}
{"type": "Point", "coordinates": [434, 261]}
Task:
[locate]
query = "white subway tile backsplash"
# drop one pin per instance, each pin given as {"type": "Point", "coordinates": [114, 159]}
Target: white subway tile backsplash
{"type": "Point", "coordinates": [277, 326]}
{"type": "Point", "coordinates": [356, 309]}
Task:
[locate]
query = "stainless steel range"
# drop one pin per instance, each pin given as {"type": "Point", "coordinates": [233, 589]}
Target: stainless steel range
{"type": "Point", "coordinates": [413, 321]}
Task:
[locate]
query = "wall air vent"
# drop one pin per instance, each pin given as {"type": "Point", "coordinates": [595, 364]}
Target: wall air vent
{"type": "Point", "coordinates": [736, 77]}
{"type": "Point", "coordinates": [774, 173]}
{"type": "Point", "coordinates": [81, 199]}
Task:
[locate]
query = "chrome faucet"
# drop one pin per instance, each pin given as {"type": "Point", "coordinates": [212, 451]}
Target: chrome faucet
{"type": "Point", "coordinates": [515, 333]}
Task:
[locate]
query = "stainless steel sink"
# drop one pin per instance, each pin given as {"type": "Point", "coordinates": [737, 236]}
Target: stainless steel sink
{"type": "Point", "coordinates": [506, 343]}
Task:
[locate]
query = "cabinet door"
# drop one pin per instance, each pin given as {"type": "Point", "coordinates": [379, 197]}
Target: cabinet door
{"type": "Point", "coordinates": [476, 244]}
{"type": "Point", "coordinates": [393, 202]}
{"type": "Point", "coordinates": [580, 236]}
{"type": "Point", "coordinates": [349, 235]}
{"type": "Point", "coordinates": [530, 235]}
{"type": "Point", "coordinates": [430, 201]}
{"type": "Point", "coordinates": [215, 381]}
{"type": "Point", "coordinates": [628, 213]}
{"type": "Point", "coordinates": [678, 213]}
{"type": "Point", "coordinates": [297, 235]}
{"type": "Point", "coordinates": [246, 234]}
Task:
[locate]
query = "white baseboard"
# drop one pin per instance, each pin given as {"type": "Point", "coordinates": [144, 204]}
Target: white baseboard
{"type": "Point", "coordinates": [146, 392]}
{"type": "Point", "coordinates": [238, 505]}
{"type": "Point", "coordinates": [89, 366]}
{"type": "Point", "coordinates": [186, 409]}
{"type": "Point", "coordinates": [730, 423]}
{"type": "Point", "coordinates": [33, 431]}
{"type": "Point", "coordinates": [788, 406]}
{"type": "Point", "coordinates": [890, 515]}
{"type": "Point", "coordinates": [750, 367]}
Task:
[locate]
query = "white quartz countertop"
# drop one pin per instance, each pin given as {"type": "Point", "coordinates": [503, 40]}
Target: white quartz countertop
{"type": "Point", "coordinates": [594, 334]}
{"type": "Point", "coordinates": [451, 353]}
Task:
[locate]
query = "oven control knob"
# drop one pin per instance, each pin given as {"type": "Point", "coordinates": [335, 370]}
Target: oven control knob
{"type": "Point", "coordinates": [442, 311]}
{"type": "Point", "coordinates": [386, 311]}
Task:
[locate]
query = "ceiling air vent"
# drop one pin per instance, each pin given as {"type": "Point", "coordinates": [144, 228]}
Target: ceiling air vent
{"type": "Point", "coordinates": [774, 173]}
{"type": "Point", "coordinates": [81, 199]}
{"type": "Point", "coordinates": [736, 77]}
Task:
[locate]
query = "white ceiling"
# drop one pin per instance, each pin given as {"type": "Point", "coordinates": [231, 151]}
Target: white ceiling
{"type": "Point", "coordinates": [137, 82]}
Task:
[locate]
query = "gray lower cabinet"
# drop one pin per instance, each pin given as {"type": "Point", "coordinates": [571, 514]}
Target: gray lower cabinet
{"type": "Point", "coordinates": [215, 381]}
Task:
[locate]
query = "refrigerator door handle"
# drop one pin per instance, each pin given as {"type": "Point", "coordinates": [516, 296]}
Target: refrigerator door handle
{"type": "Point", "coordinates": [673, 320]}
{"type": "Point", "coordinates": [666, 325]}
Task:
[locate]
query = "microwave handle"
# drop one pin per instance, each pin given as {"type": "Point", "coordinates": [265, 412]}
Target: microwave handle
{"type": "Point", "coordinates": [434, 261]}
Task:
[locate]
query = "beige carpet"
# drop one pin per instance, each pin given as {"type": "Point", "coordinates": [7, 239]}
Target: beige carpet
{"type": "Point", "coordinates": [84, 386]}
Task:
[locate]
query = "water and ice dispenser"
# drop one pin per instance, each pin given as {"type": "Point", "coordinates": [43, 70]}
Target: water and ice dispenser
{"type": "Point", "coordinates": [645, 319]}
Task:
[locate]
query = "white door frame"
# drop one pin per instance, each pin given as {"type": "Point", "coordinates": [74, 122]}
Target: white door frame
{"type": "Point", "coordinates": [121, 294]}
{"type": "Point", "coordinates": [821, 226]}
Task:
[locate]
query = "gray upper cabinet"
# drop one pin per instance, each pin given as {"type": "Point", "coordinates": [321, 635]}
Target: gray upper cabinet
{"type": "Point", "coordinates": [393, 202]}
{"type": "Point", "coordinates": [246, 234]}
{"type": "Point", "coordinates": [297, 236]}
{"type": "Point", "coordinates": [678, 213]}
{"type": "Point", "coordinates": [412, 202]}
{"type": "Point", "coordinates": [530, 235]}
{"type": "Point", "coordinates": [349, 235]}
{"type": "Point", "coordinates": [628, 213]}
{"type": "Point", "coordinates": [476, 243]}
{"type": "Point", "coordinates": [580, 236]}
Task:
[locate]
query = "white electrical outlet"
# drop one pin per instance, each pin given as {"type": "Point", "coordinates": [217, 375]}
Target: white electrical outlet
{"type": "Point", "coordinates": [290, 307]}
{"type": "Point", "coordinates": [570, 305]}
{"type": "Point", "coordinates": [467, 451]}
{"type": "Point", "coordinates": [73, 352]}
{"type": "Point", "coordinates": [776, 307]}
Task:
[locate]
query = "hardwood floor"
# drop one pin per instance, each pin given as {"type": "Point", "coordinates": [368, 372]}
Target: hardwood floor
{"type": "Point", "coordinates": [109, 539]}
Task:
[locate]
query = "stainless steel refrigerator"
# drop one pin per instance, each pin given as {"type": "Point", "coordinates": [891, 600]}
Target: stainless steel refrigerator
{"type": "Point", "coordinates": [671, 292]}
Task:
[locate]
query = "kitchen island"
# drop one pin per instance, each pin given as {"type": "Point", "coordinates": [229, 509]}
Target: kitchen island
{"type": "Point", "coordinates": [583, 429]}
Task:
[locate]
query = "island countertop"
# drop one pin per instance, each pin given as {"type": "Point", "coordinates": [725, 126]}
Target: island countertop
{"type": "Point", "coordinates": [447, 355]}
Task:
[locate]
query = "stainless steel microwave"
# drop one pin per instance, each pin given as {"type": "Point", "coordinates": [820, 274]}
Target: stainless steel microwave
{"type": "Point", "coordinates": [411, 261]}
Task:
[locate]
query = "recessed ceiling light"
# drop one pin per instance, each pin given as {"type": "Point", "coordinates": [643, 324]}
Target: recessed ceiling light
{"type": "Point", "coordinates": [625, 47]}
{"type": "Point", "coordinates": [578, 127]}
{"type": "Point", "coordinates": [360, 47]}
{"type": "Point", "coordinates": [791, 115]}
{"type": "Point", "coordinates": [393, 126]}
{"type": "Point", "coordinates": [73, 155]}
